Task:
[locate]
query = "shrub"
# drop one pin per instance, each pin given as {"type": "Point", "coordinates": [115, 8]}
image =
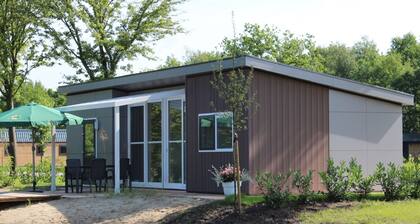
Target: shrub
{"type": "Point", "coordinates": [336, 180]}
{"type": "Point", "coordinates": [390, 180]}
{"type": "Point", "coordinates": [303, 183]}
{"type": "Point", "coordinates": [359, 183]}
{"type": "Point", "coordinates": [5, 178]}
{"type": "Point", "coordinates": [274, 188]}
{"type": "Point", "coordinates": [410, 177]}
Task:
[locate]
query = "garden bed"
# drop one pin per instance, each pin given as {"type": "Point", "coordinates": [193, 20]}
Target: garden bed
{"type": "Point", "coordinates": [223, 212]}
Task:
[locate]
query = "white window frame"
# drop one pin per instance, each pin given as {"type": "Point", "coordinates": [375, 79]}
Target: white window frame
{"type": "Point", "coordinates": [216, 116]}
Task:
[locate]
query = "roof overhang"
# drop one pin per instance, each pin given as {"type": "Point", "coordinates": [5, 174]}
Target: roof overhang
{"type": "Point", "coordinates": [121, 101]}
{"type": "Point", "coordinates": [177, 75]}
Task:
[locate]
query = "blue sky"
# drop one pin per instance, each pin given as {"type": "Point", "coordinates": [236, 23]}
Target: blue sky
{"type": "Point", "coordinates": [207, 22]}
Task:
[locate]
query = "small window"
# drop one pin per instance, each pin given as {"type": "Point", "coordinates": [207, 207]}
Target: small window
{"type": "Point", "coordinates": [62, 150]}
{"type": "Point", "coordinates": [215, 132]}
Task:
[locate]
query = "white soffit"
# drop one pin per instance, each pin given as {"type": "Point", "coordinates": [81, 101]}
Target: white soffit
{"type": "Point", "coordinates": [121, 101]}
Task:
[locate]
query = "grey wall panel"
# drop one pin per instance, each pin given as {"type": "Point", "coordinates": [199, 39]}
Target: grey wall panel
{"type": "Point", "coordinates": [367, 129]}
{"type": "Point", "coordinates": [104, 146]}
{"type": "Point", "coordinates": [88, 97]}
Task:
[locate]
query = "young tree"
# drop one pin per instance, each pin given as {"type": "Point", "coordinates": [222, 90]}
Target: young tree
{"type": "Point", "coordinates": [20, 51]}
{"type": "Point", "coordinates": [96, 36]}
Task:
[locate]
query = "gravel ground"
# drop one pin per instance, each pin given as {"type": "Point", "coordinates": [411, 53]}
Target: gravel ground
{"type": "Point", "coordinates": [137, 207]}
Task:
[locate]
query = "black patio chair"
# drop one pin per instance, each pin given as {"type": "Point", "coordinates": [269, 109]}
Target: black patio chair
{"type": "Point", "coordinates": [125, 172]}
{"type": "Point", "coordinates": [98, 175]}
{"type": "Point", "coordinates": [72, 172]}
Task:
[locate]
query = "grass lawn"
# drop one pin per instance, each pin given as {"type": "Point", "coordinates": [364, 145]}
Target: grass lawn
{"type": "Point", "coordinates": [368, 212]}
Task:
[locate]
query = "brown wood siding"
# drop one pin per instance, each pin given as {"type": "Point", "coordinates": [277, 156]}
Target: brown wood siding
{"type": "Point", "coordinates": [290, 129]}
{"type": "Point", "coordinates": [199, 94]}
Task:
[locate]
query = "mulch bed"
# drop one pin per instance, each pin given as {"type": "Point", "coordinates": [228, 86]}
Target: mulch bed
{"type": "Point", "coordinates": [221, 213]}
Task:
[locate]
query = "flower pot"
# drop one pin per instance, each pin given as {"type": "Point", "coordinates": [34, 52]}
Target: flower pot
{"type": "Point", "coordinates": [229, 187]}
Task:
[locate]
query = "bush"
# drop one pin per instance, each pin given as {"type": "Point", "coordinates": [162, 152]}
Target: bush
{"type": "Point", "coordinates": [303, 183]}
{"type": "Point", "coordinates": [410, 177]}
{"type": "Point", "coordinates": [23, 174]}
{"type": "Point", "coordinates": [336, 181]}
{"type": "Point", "coordinates": [359, 183]}
{"type": "Point", "coordinates": [5, 178]}
{"type": "Point", "coordinates": [390, 180]}
{"type": "Point", "coordinates": [274, 188]}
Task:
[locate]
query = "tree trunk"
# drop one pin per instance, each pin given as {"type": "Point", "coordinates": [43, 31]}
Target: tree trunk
{"type": "Point", "coordinates": [12, 136]}
{"type": "Point", "coordinates": [238, 175]}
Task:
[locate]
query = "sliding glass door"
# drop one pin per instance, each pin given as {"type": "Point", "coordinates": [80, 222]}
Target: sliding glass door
{"type": "Point", "coordinates": [156, 143]}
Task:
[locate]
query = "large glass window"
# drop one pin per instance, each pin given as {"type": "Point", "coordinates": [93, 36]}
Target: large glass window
{"type": "Point", "coordinates": [215, 132]}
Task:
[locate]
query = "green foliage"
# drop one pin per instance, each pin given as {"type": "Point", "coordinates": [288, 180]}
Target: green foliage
{"type": "Point", "coordinates": [411, 177]}
{"type": "Point", "coordinates": [95, 37]}
{"type": "Point", "coordinates": [338, 60]}
{"type": "Point", "coordinates": [271, 44]}
{"type": "Point", "coordinates": [410, 83]}
{"type": "Point", "coordinates": [234, 88]}
{"type": "Point", "coordinates": [20, 49]}
{"type": "Point", "coordinates": [390, 180]}
{"type": "Point", "coordinates": [23, 174]}
{"type": "Point", "coordinates": [336, 180]}
{"type": "Point", "coordinates": [191, 57]}
{"type": "Point", "coordinates": [34, 92]}
{"type": "Point", "coordinates": [274, 188]}
{"type": "Point", "coordinates": [303, 183]}
{"type": "Point", "coordinates": [359, 183]}
{"type": "Point", "coordinates": [42, 137]}
{"type": "Point", "coordinates": [5, 178]}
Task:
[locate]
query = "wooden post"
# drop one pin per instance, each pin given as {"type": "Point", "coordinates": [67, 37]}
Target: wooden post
{"type": "Point", "coordinates": [238, 174]}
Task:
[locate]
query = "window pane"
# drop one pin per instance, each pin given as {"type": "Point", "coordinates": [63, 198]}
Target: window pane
{"type": "Point", "coordinates": [175, 162]}
{"type": "Point", "coordinates": [88, 142]}
{"type": "Point", "coordinates": [155, 162]}
{"type": "Point", "coordinates": [224, 131]}
{"type": "Point", "coordinates": [206, 132]}
{"type": "Point", "coordinates": [154, 122]}
{"type": "Point", "coordinates": [137, 162]}
{"type": "Point", "coordinates": [175, 120]}
{"type": "Point", "coordinates": [137, 124]}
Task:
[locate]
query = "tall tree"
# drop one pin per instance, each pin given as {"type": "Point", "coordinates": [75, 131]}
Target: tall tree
{"type": "Point", "coordinates": [410, 83]}
{"type": "Point", "coordinates": [191, 57]}
{"type": "Point", "coordinates": [338, 60]}
{"type": "Point", "coordinates": [20, 51]}
{"type": "Point", "coordinates": [34, 92]}
{"type": "Point", "coordinates": [97, 36]}
{"type": "Point", "coordinates": [270, 43]}
{"type": "Point", "coordinates": [408, 47]}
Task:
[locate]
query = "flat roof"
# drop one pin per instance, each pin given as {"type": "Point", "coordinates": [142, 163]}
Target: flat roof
{"type": "Point", "coordinates": [177, 75]}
